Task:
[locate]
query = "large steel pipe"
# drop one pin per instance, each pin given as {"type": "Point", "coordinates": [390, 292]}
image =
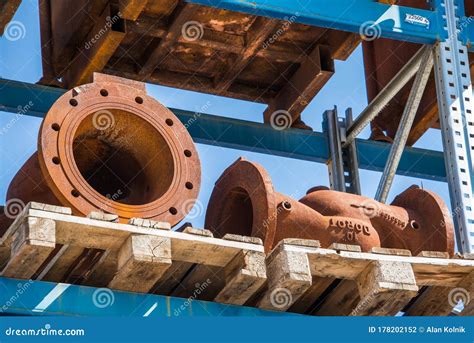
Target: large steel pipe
{"type": "Point", "coordinates": [107, 146]}
{"type": "Point", "coordinates": [244, 202]}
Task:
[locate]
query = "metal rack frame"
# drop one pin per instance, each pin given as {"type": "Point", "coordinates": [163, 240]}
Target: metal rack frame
{"type": "Point", "coordinates": [394, 22]}
{"type": "Point", "coordinates": [451, 32]}
{"type": "Point", "coordinates": [40, 298]}
{"type": "Point", "coordinates": [440, 27]}
{"type": "Point", "coordinates": [454, 89]}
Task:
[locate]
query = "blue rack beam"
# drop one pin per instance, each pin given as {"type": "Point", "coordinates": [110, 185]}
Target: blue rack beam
{"type": "Point", "coordinates": [35, 100]}
{"type": "Point", "coordinates": [389, 21]}
{"type": "Point", "coordinates": [27, 297]}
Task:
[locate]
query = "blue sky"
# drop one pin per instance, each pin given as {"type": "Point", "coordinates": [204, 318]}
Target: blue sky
{"type": "Point", "coordinates": [21, 60]}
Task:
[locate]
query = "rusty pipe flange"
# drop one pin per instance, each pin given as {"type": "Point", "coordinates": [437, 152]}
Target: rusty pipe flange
{"type": "Point", "coordinates": [243, 202]}
{"type": "Point", "coordinates": [109, 146]}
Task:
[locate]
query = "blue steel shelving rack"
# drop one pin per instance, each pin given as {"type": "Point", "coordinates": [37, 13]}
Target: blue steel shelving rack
{"type": "Point", "coordinates": [39, 298]}
{"type": "Point", "coordinates": [445, 28]}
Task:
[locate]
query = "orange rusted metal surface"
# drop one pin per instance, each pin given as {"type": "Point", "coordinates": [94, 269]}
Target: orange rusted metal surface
{"type": "Point", "coordinates": [173, 43]}
{"type": "Point", "coordinates": [7, 11]}
{"type": "Point", "coordinates": [244, 202]}
{"type": "Point", "coordinates": [108, 146]}
{"type": "Point", "coordinates": [383, 59]}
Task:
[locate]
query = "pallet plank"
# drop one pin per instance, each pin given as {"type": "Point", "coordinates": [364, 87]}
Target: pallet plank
{"type": "Point", "coordinates": [466, 287]}
{"type": "Point", "coordinates": [433, 301]}
{"type": "Point", "coordinates": [172, 278]}
{"type": "Point", "coordinates": [306, 302]}
{"type": "Point", "coordinates": [60, 264]}
{"type": "Point", "coordinates": [341, 301]}
{"type": "Point", "coordinates": [96, 234]}
{"type": "Point", "coordinates": [104, 270]}
{"type": "Point", "coordinates": [201, 283]}
{"type": "Point", "coordinates": [390, 251]}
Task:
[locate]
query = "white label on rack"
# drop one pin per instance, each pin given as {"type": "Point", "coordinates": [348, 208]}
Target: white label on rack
{"type": "Point", "coordinates": [416, 19]}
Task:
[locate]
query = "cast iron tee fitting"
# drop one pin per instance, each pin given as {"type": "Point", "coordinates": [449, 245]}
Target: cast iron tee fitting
{"type": "Point", "coordinates": [244, 202]}
{"type": "Point", "coordinates": [108, 146]}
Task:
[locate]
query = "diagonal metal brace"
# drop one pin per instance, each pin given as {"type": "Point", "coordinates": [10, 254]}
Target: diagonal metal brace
{"type": "Point", "coordinates": [405, 125]}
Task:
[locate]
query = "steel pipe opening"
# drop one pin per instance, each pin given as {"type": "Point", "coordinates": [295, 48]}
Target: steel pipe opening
{"type": "Point", "coordinates": [130, 162]}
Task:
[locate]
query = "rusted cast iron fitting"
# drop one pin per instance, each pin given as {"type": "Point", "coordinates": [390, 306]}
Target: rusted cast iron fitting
{"type": "Point", "coordinates": [108, 146]}
{"type": "Point", "coordinates": [244, 202]}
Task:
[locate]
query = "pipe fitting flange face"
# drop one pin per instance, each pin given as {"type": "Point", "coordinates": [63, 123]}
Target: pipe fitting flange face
{"type": "Point", "coordinates": [109, 146]}
{"type": "Point", "coordinates": [243, 202]}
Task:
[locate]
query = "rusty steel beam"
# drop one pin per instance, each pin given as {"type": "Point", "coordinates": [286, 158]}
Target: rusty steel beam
{"type": "Point", "coordinates": [7, 11]}
{"type": "Point", "coordinates": [100, 45]}
{"type": "Point", "coordinates": [244, 202]}
{"type": "Point", "coordinates": [303, 86]}
{"type": "Point", "coordinates": [220, 41]}
{"type": "Point", "coordinates": [131, 9]}
{"type": "Point", "coordinates": [196, 83]}
{"type": "Point", "coordinates": [48, 77]}
{"type": "Point", "coordinates": [183, 14]}
{"type": "Point", "coordinates": [261, 29]}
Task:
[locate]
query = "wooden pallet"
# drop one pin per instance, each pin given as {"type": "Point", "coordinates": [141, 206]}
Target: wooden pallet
{"type": "Point", "coordinates": [48, 243]}
{"type": "Point", "coordinates": [344, 281]}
